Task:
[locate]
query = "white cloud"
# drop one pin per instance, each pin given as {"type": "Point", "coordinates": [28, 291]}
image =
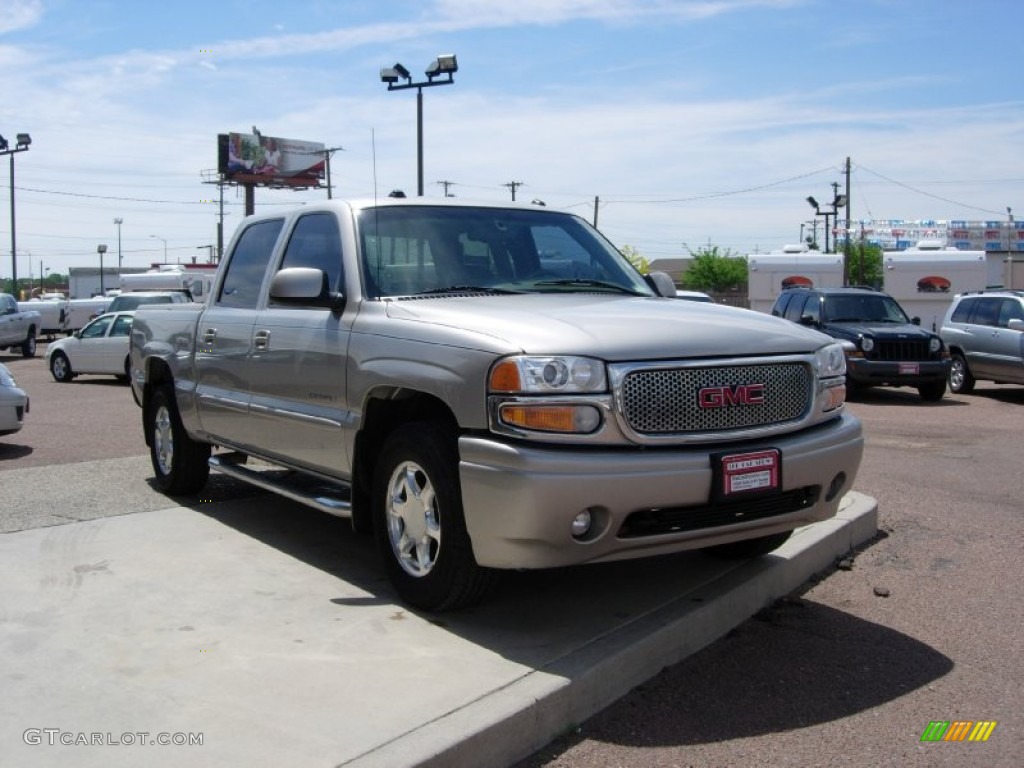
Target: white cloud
{"type": "Point", "coordinates": [19, 14]}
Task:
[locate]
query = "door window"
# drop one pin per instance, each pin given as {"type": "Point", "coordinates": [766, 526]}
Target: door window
{"type": "Point", "coordinates": [248, 264]}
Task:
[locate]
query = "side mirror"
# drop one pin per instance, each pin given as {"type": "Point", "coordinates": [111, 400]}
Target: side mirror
{"type": "Point", "coordinates": [808, 320]}
{"type": "Point", "coordinates": [1015, 324]}
{"type": "Point", "coordinates": [305, 286]}
{"type": "Point", "coordinates": [661, 284]}
{"type": "Point", "coordinates": [915, 320]}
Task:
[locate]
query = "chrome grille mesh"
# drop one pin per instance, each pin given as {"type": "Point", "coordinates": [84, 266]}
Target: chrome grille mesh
{"type": "Point", "coordinates": [663, 401]}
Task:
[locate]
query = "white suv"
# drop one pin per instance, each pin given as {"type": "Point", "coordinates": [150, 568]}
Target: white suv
{"type": "Point", "coordinates": [984, 332]}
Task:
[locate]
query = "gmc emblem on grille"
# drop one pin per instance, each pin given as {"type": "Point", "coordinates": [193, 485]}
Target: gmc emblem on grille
{"type": "Point", "coordinates": [722, 397]}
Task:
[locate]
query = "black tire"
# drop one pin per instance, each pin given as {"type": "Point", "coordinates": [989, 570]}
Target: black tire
{"type": "Point", "coordinates": [60, 368]}
{"type": "Point", "coordinates": [960, 379]}
{"type": "Point", "coordinates": [28, 346]}
{"type": "Point", "coordinates": [749, 548]}
{"type": "Point", "coordinates": [181, 464]}
{"type": "Point", "coordinates": [418, 520]}
{"type": "Point", "coordinates": [933, 391]}
{"type": "Point", "coordinates": [125, 377]}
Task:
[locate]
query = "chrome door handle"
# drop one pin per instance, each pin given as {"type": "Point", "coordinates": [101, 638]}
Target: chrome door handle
{"type": "Point", "coordinates": [262, 339]}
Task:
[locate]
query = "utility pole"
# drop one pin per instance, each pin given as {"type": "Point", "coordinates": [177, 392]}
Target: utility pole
{"type": "Point", "coordinates": [846, 246]}
{"type": "Point", "coordinates": [446, 184]}
{"type": "Point", "coordinates": [513, 185]}
{"type": "Point", "coordinates": [597, 201]}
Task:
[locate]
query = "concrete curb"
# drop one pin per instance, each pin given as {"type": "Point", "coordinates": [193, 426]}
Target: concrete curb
{"type": "Point", "coordinates": [511, 722]}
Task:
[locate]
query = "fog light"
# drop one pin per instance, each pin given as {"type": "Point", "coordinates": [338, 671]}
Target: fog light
{"type": "Point", "coordinates": [835, 486]}
{"type": "Point", "coordinates": [581, 524]}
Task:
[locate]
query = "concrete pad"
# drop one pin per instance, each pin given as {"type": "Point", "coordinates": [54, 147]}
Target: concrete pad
{"type": "Point", "coordinates": [268, 631]}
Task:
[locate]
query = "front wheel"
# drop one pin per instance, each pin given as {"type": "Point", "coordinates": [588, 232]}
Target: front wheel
{"type": "Point", "coordinates": [933, 391]}
{"type": "Point", "coordinates": [749, 548]}
{"type": "Point", "coordinates": [181, 464]}
{"type": "Point", "coordinates": [60, 368]}
{"type": "Point", "coordinates": [960, 379]}
{"type": "Point", "coordinates": [418, 520]}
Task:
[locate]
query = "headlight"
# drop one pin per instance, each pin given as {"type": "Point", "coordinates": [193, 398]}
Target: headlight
{"type": "Point", "coordinates": [935, 344]}
{"type": "Point", "coordinates": [547, 375]}
{"type": "Point", "coordinates": [831, 361]}
{"type": "Point", "coordinates": [867, 343]}
{"type": "Point", "coordinates": [6, 380]}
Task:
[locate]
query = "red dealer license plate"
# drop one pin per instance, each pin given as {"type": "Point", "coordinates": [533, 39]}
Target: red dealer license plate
{"type": "Point", "coordinates": [757, 472]}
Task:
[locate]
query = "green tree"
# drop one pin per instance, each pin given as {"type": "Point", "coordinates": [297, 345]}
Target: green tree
{"type": "Point", "coordinates": [633, 256]}
{"type": "Point", "coordinates": [864, 265]}
{"type": "Point", "coordinates": [714, 271]}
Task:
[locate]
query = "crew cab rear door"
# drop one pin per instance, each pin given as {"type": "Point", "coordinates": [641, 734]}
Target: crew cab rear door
{"type": "Point", "coordinates": [225, 331]}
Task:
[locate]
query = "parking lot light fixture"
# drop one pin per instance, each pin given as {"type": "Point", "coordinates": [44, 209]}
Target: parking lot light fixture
{"type": "Point", "coordinates": [21, 144]}
{"type": "Point", "coordinates": [101, 249]}
{"type": "Point", "coordinates": [444, 65]}
{"type": "Point", "coordinates": [165, 246]}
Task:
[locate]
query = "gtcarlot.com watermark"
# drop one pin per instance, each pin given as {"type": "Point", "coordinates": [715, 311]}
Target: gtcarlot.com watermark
{"type": "Point", "coordinates": [59, 737]}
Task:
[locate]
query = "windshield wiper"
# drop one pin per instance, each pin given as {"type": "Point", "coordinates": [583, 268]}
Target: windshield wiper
{"type": "Point", "coordinates": [464, 289]}
{"type": "Point", "coordinates": [589, 283]}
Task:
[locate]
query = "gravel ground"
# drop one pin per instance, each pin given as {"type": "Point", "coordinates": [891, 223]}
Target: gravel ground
{"type": "Point", "coordinates": [922, 624]}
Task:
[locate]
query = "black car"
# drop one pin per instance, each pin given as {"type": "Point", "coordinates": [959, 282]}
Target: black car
{"type": "Point", "coordinates": [883, 346]}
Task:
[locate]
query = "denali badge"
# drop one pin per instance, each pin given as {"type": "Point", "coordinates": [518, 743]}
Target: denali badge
{"type": "Point", "coordinates": [740, 394]}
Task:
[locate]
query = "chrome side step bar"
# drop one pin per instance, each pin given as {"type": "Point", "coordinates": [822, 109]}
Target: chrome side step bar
{"type": "Point", "coordinates": [333, 501]}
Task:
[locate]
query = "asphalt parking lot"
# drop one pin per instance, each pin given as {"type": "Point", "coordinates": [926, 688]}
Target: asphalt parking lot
{"type": "Point", "coordinates": [921, 625]}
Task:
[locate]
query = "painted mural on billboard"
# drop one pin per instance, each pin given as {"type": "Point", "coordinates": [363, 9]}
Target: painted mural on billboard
{"type": "Point", "coordinates": [248, 158]}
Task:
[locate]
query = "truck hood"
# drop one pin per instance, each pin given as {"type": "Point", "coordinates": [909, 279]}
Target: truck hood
{"type": "Point", "coordinates": [613, 328]}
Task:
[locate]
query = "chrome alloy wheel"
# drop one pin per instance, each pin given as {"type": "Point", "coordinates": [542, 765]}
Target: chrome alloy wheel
{"type": "Point", "coordinates": [414, 525]}
{"type": "Point", "coordinates": [163, 439]}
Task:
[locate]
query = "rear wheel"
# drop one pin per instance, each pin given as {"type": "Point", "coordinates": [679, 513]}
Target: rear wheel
{"type": "Point", "coordinates": [28, 347]}
{"type": "Point", "coordinates": [60, 367]}
{"type": "Point", "coordinates": [181, 464]}
{"type": "Point", "coordinates": [419, 522]}
{"type": "Point", "coordinates": [125, 377]}
{"type": "Point", "coordinates": [750, 548]}
{"type": "Point", "coordinates": [933, 391]}
{"type": "Point", "coordinates": [960, 379]}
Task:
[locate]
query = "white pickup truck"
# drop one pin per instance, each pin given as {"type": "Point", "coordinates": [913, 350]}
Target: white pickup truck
{"type": "Point", "coordinates": [490, 386]}
{"type": "Point", "coordinates": [18, 328]}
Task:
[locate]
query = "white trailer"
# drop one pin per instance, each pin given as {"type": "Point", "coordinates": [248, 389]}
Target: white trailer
{"type": "Point", "coordinates": [925, 278]}
{"type": "Point", "coordinates": [768, 274]}
{"type": "Point", "coordinates": [81, 311]}
{"type": "Point", "coordinates": [172, 277]}
{"type": "Point", "coordinates": [53, 312]}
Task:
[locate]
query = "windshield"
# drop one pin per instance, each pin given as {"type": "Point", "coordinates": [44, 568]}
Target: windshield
{"type": "Point", "coordinates": [419, 250]}
{"type": "Point", "coordinates": [873, 309]}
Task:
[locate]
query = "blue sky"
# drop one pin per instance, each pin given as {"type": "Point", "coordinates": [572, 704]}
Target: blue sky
{"type": "Point", "coordinates": [691, 122]}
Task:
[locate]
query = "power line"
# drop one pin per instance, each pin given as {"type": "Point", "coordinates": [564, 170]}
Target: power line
{"type": "Point", "coordinates": [929, 194]}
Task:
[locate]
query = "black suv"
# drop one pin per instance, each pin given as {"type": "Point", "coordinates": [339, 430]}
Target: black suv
{"type": "Point", "coordinates": [883, 346]}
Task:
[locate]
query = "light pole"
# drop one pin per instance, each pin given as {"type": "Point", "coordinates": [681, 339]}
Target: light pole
{"type": "Point", "coordinates": [21, 144]}
{"type": "Point", "coordinates": [165, 246]}
{"type": "Point", "coordinates": [119, 221]}
{"type": "Point", "coordinates": [101, 249]}
{"type": "Point", "coordinates": [442, 65]}
{"type": "Point", "coordinates": [838, 202]}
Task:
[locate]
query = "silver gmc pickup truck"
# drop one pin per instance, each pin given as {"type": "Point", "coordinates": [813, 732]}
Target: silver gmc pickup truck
{"type": "Point", "coordinates": [490, 386]}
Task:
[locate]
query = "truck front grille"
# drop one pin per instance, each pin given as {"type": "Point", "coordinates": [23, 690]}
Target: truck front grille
{"type": "Point", "coordinates": [669, 401]}
{"type": "Point", "coordinates": [897, 350]}
{"type": "Point", "coordinates": [657, 522]}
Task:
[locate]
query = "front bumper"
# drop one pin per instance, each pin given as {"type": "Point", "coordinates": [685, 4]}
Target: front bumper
{"type": "Point", "coordinates": [519, 500]}
{"type": "Point", "coordinates": [876, 372]}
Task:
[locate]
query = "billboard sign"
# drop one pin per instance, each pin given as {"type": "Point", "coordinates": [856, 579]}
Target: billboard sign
{"type": "Point", "coordinates": [248, 158]}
